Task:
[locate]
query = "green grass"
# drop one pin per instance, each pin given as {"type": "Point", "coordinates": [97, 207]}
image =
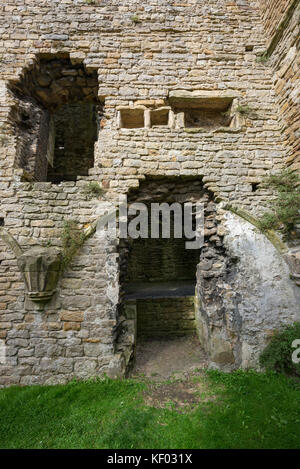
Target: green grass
{"type": "Point", "coordinates": [251, 410]}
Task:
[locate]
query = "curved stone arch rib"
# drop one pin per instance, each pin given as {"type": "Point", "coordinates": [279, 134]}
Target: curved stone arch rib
{"type": "Point", "coordinates": [270, 234]}
{"type": "Point", "coordinates": [11, 242]}
{"type": "Point", "coordinates": [291, 257]}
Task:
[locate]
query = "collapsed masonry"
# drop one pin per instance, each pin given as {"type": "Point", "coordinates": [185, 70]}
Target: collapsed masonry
{"type": "Point", "coordinates": [183, 113]}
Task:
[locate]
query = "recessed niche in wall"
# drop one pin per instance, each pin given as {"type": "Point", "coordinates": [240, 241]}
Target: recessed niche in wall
{"type": "Point", "coordinates": [205, 118]}
{"type": "Point", "coordinates": [249, 48]}
{"type": "Point", "coordinates": [202, 109]}
{"type": "Point", "coordinates": [55, 115]}
{"type": "Point", "coordinates": [159, 117]}
{"type": "Point", "coordinates": [75, 127]}
{"type": "Point", "coordinates": [132, 118]}
{"type": "Point", "coordinates": [1, 221]}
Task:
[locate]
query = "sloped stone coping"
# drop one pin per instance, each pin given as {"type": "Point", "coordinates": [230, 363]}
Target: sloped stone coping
{"type": "Point", "coordinates": [11, 242]}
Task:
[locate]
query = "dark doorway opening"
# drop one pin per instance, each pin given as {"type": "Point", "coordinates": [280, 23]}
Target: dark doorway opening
{"type": "Point", "coordinates": [75, 127]}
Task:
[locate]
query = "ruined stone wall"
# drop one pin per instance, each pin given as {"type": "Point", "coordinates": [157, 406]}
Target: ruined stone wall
{"type": "Point", "coordinates": [74, 333]}
{"type": "Point", "coordinates": [164, 259]}
{"type": "Point", "coordinates": [161, 261]}
{"type": "Point", "coordinates": [242, 303]}
{"type": "Point", "coordinates": [273, 12]}
{"type": "Point", "coordinates": [31, 127]}
{"type": "Point", "coordinates": [281, 26]}
{"type": "Point", "coordinates": [142, 52]}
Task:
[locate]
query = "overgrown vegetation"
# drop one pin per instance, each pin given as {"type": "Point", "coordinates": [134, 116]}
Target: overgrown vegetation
{"type": "Point", "coordinates": [72, 239]}
{"type": "Point", "coordinates": [135, 19]}
{"type": "Point", "coordinates": [277, 356]}
{"type": "Point", "coordinates": [263, 58]}
{"type": "Point", "coordinates": [244, 109]}
{"type": "Point", "coordinates": [285, 208]}
{"type": "Point", "coordinates": [244, 410]}
{"type": "Point", "coordinates": [93, 189]}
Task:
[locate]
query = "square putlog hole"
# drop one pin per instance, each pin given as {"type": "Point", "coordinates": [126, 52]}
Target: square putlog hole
{"type": "Point", "coordinates": [160, 117]}
{"type": "Point", "coordinates": [132, 118]}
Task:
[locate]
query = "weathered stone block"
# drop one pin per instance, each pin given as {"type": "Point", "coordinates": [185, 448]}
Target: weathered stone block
{"type": "Point", "coordinates": [72, 316]}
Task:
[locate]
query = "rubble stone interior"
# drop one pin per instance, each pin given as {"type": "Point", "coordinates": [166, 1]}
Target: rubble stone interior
{"type": "Point", "coordinates": [55, 117]}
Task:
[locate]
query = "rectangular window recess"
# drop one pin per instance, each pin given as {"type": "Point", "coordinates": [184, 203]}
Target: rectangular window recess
{"type": "Point", "coordinates": [202, 110]}
{"type": "Point", "coordinates": [160, 116]}
{"type": "Point", "coordinates": [132, 118]}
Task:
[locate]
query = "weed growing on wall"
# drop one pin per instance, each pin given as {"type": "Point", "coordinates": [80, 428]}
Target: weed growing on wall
{"type": "Point", "coordinates": [72, 239]}
{"type": "Point", "coordinates": [244, 109]}
{"type": "Point", "coordinates": [263, 58]}
{"type": "Point", "coordinates": [285, 207]}
{"type": "Point", "coordinates": [135, 19]}
{"type": "Point", "coordinates": [93, 189]}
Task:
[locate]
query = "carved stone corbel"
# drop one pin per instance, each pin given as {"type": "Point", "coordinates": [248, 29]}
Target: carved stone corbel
{"type": "Point", "coordinates": [39, 266]}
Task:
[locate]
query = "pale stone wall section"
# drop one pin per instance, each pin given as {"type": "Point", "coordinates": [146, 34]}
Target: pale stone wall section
{"type": "Point", "coordinates": [258, 298]}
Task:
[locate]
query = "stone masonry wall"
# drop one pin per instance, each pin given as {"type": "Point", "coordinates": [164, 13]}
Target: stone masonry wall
{"type": "Point", "coordinates": [273, 12]}
{"type": "Point", "coordinates": [73, 334]}
{"type": "Point", "coordinates": [75, 134]}
{"type": "Point", "coordinates": [194, 47]}
{"type": "Point", "coordinates": [163, 259]}
{"type": "Point", "coordinates": [142, 52]}
{"type": "Point", "coordinates": [281, 25]}
{"type": "Point", "coordinates": [253, 297]}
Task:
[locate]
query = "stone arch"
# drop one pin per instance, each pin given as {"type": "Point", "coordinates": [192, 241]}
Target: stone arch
{"type": "Point", "coordinates": [56, 116]}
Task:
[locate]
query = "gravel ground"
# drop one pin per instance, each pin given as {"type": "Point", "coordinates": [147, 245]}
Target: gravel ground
{"type": "Point", "coordinates": [168, 357]}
